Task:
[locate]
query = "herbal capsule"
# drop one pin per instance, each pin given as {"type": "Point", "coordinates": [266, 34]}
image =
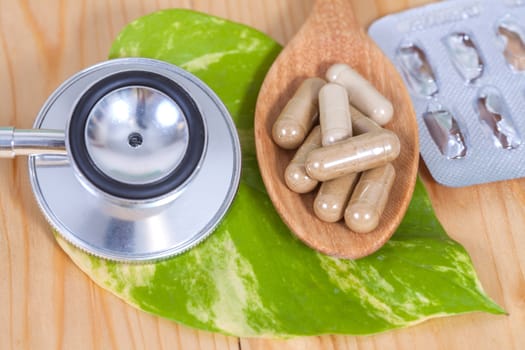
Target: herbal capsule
{"type": "Point", "coordinates": [295, 175]}
{"type": "Point", "coordinates": [361, 124]}
{"type": "Point", "coordinates": [334, 114]}
{"type": "Point", "coordinates": [362, 94]}
{"type": "Point", "coordinates": [298, 116]}
{"type": "Point", "coordinates": [369, 198]}
{"type": "Point", "coordinates": [354, 155]}
{"type": "Point", "coordinates": [333, 195]}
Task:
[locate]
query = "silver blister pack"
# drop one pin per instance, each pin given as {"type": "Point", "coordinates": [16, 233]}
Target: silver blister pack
{"type": "Point", "coordinates": [463, 62]}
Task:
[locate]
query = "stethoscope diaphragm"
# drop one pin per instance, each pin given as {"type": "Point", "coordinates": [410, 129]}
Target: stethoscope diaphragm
{"type": "Point", "coordinates": [131, 160]}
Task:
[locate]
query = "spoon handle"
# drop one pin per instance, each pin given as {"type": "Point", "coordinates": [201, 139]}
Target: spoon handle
{"type": "Point", "coordinates": [337, 13]}
{"type": "Point", "coordinates": [29, 142]}
{"type": "Point", "coordinates": [330, 31]}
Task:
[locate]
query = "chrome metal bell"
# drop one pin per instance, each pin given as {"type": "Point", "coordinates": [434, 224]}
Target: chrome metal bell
{"type": "Point", "coordinates": [131, 160]}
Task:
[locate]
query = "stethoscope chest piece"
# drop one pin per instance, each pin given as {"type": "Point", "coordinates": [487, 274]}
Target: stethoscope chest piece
{"type": "Point", "coordinates": [149, 165]}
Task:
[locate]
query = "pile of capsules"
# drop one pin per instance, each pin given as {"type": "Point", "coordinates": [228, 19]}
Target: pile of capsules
{"type": "Point", "coordinates": [349, 153]}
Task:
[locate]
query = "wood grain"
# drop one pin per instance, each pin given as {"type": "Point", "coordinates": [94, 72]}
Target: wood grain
{"type": "Point", "coordinates": [47, 303]}
{"type": "Point", "coordinates": [330, 35]}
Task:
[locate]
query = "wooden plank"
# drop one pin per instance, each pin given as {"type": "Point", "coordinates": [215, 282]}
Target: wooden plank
{"type": "Point", "coordinates": [48, 303]}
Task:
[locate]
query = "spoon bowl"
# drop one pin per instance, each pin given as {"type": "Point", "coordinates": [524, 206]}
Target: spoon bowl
{"type": "Point", "coordinates": [331, 35]}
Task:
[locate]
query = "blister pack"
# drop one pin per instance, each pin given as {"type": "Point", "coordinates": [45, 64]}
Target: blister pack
{"type": "Point", "coordinates": [464, 64]}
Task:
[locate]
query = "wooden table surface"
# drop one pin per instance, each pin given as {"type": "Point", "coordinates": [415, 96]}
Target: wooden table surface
{"type": "Point", "coordinates": [48, 303]}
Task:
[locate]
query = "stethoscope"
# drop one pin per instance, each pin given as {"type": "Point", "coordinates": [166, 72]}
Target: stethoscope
{"type": "Point", "coordinates": [131, 159]}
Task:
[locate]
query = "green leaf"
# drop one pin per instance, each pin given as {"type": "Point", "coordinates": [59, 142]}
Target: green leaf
{"type": "Point", "coordinates": [252, 277]}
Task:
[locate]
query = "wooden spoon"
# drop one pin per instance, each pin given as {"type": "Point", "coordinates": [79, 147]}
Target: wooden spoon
{"type": "Point", "coordinates": [331, 35]}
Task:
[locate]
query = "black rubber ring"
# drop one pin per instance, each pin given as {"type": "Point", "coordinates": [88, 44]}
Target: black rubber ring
{"type": "Point", "coordinates": [77, 141]}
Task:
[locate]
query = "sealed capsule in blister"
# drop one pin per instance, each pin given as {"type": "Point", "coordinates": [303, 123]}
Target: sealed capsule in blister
{"type": "Point", "coordinates": [334, 114]}
{"type": "Point", "coordinates": [354, 155]}
{"type": "Point", "coordinates": [295, 175]}
{"type": "Point", "coordinates": [369, 199]}
{"type": "Point", "coordinates": [298, 116]}
{"type": "Point", "coordinates": [362, 93]}
{"type": "Point", "coordinates": [333, 195]}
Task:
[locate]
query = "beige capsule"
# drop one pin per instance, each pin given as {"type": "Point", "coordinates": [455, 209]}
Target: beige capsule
{"type": "Point", "coordinates": [298, 116]}
{"type": "Point", "coordinates": [295, 175]}
{"type": "Point", "coordinates": [369, 199]}
{"type": "Point", "coordinates": [354, 155]}
{"type": "Point", "coordinates": [334, 114]}
{"type": "Point", "coordinates": [361, 124]}
{"type": "Point", "coordinates": [361, 93]}
{"type": "Point", "coordinates": [333, 195]}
